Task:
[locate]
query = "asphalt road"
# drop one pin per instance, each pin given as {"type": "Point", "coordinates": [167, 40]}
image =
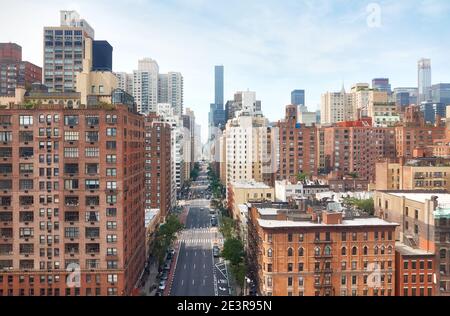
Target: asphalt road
{"type": "Point", "coordinates": [194, 274]}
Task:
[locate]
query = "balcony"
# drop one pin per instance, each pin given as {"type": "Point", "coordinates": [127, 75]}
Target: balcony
{"type": "Point", "coordinates": [323, 256]}
{"type": "Point", "coordinates": [323, 286]}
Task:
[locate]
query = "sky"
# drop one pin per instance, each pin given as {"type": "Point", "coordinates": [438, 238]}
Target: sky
{"type": "Point", "coordinates": [268, 46]}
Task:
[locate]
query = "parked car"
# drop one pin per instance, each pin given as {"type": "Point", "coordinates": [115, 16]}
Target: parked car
{"type": "Point", "coordinates": [162, 285]}
{"type": "Point", "coordinates": [164, 277]}
{"type": "Point", "coordinates": [158, 293]}
{"type": "Point", "coordinates": [166, 266]}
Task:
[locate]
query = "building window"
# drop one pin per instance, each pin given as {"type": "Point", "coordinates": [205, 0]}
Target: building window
{"type": "Point", "coordinates": [269, 253]}
{"type": "Point", "coordinates": [344, 251]}
{"type": "Point", "coordinates": [300, 252]}
{"type": "Point", "coordinates": [25, 120]}
{"type": "Point", "coordinates": [290, 252]}
{"type": "Point", "coordinates": [71, 136]}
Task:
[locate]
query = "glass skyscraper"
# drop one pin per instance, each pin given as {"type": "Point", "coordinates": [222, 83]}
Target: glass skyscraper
{"type": "Point", "coordinates": [219, 85]}
{"type": "Point", "coordinates": [424, 80]}
{"type": "Point", "coordinates": [441, 93]}
{"type": "Point", "coordinates": [298, 97]}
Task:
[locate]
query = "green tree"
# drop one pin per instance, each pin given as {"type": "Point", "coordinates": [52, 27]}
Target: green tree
{"type": "Point", "coordinates": [302, 176]}
{"type": "Point", "coordinates": [227, 228]}
{"type": "Point", "coordinates": [233, 250]}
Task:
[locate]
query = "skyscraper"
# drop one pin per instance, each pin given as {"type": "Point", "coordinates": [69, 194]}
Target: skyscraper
{"type": "Point", "coordinates": [64, 51]}
{"type": "Point", "coordinates": [102, 55]}
{"type": "Point", "coordinates": [217, 113]}
{"type": "Point", "coordinates": [298, 97]}
{"type": "Point", "coordinates": [170, 91]}
{"type": "Point", "coordinates": [219, 85]}
{"type": "Point", "coordinates": [381, 84]}
{"type": "Point", "coordinates": [145, 85]}
{"type": "Point", "coordinates": [424, 79]}
{"type": "Point", "coordinates": [441, 93]}
{"type": "Point", "coordinates": [125, 82]}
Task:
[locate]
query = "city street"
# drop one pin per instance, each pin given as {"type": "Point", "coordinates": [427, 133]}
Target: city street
{"type": "Point", "coordinates": [197, 271]}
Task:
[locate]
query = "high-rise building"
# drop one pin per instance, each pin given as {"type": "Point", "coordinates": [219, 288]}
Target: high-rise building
{"type": "Point", "coordinates": [170, 91]}
{"type": "Point", "coordinates": [219, 86]}
{"type": "Point", "coordinates": [297, 147]}
{"type": "Point", "coordinates": [246, 148]}
{"type": "Point", "coordinates": [431, 111]}
{"type": "Point", "coordinates": [298, 97]}
{"type": "Point", "coordinates": [158, 165]}
{"type": "Point", "coordinates": [64, 51]}
{"type": "Point", "coordinates": [145, 85]}
{"type": "Point", "coordinates": [424, 80]}
{"type": "Point", "coordinates": [75, 185]}
{"type": "Point", "coordinates": [381, 84]}
{"type": "Point", "coordinates": [14, 72]}
{"type": "Point", "coordinates": [125, 82]}
{"type": "Point", "coordinates": [102, 56]}
{"type": "Point", "coordinates": [441, 93]}
{"type": "Point", "coordinates": [354, 148]}
{"type": "Point", "coordinates": [336, 107]}
{"type": "Point", "coordinates": [217, 118]}
{"type": "Point", "coordinates": [405, 97]}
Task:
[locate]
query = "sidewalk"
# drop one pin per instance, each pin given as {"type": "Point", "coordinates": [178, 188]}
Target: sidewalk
{"type": "Point", "coordinates": [173, 267]}
{"type": "Point", "coordinates": [152, 280]}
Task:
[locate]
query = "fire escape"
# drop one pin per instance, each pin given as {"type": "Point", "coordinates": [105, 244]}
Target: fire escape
{"type": "Point", "coordinates": [322, 268]}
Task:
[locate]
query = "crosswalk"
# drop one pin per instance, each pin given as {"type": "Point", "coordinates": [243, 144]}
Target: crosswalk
{"type": "Point", "coordinates": [201, 241]}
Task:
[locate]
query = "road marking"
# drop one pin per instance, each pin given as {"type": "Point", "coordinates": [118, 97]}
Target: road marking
{"type": "Point", "coordinates": [184, 266]}
{"type": "Point", "coordinates": [194, 266]}
{"type": "Point", "coordinates": [193, 282]}
{"type": "Point", "coordinates": [195, 254]}
{"type": "Point", "coordinates": [182, 282]}
{"type": "Point", "coordinates": [204, 266]}
{"type": "Point", "coordinates": [203, 282]}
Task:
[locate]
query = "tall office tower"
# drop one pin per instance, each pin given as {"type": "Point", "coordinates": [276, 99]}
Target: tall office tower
{"type": "Point", "coordinates": [198, 143]}
{"type": "Point", "coordinates": [298, 97]}
{"type": "Point", "coordinates": [73, 197]}
{"type": "Point", "coordinates": [14, 72]}
{"type": "Point", "coordinates": [336, 107]}
{"type": "Point", "coordinates": [64, 51]}
{"type": "Point", "coordinates": [297, 147]}
{"type": "Point", "coordinates": [441, 93]}
{"type": "Point", "coordinates": [158, 165]}
{"type": "Point", "coordinates": [219, 85]}
{"type": "Point", "coordinates": [381, 84]}
{"type": "Point", "coordinates": [145, 85]}
{"type": "Point", "coordinates": [431, 111]}
{"type": "Point", "coordinates": [125, 82]}
{"type": "Point", "coordinates": [102, 56]}
{"type": "Point", "coordinates": [424, 79]}
{"type": "Point", "coordinates": [216, 116]}
{"type": "Point", "coordinates": [405, 97]}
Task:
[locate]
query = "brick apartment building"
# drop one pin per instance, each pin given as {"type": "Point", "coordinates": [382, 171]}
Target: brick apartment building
{"type": "Point", "coordinates": [297, 147]}
{"type": "Point", "coordinates": [298, 254]}
{"type": "Point", "coordinates": [417, 174]}
{"type": "Point", "coordinates": [158, 165]}
{"type": "Point", "coordinates": [414, 272]}
{"type": "Point", "coordinates": [424, 226]}
{"type": "Point", "coordinates": [71, 194]}
{"type": "Point", "coordinates": [13, 71]}
{"type": "Point", "coordinates": [354, 147]}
